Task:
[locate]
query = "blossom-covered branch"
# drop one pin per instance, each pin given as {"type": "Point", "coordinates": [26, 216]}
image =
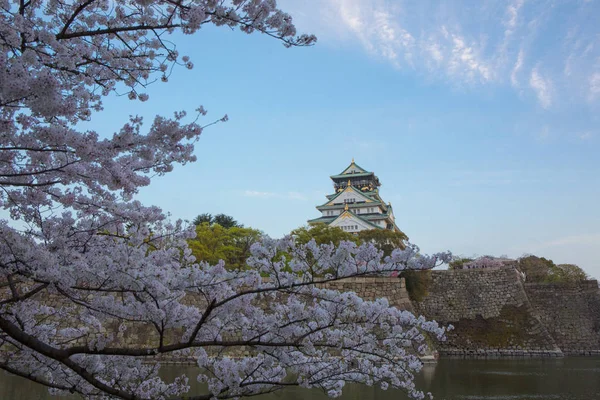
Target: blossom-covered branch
{"type": "Point", "coordinates": [278, 308]}
{"type": "Point", "coordinates": [94, 284]}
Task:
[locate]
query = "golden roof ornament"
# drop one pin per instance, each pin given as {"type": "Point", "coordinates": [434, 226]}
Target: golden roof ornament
{"type": "Point", "coordinates": [346, 207]}
{"type": "Point", "coordinates": [349, 183]}
{"type": "Point", "coordinates": [352, 160]}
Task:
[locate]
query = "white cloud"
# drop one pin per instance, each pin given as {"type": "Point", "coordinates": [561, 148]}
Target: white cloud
{"type": "Point", "coordinates": [466, 62]}
{"type": "Point", "coordinates": [254, 193]}
{"type": "Point", "coordinates": [516, 69]}
{"type": "Point", "coordinates": [595, 86]}
{"type": "Point", "coordinates": [542, 87]}
{"type": "Point", "coordinates": [376, 28]}
{"type": "Point", "coordinates": [585, 135]}
{"type": "Point", "coordinates": [513, 13]}
{"type": "Point", "coordinates": [586, 239]}
{"type": "Point", "coordinates": [435, 51]}
{"type": "Point", "coordinates": [485, 43]}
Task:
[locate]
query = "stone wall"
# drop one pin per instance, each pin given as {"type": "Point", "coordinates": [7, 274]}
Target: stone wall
{"type": "Point", "coordinates": [571, 314]}
{"type": "Point", "coordinates": [371, 288]}
{"type": "Point", "coordinates": [493, 313]}
{"type": "Point", "coordinates": [143, 334]}
{"type": "Point", "coordinates": [490, 312]}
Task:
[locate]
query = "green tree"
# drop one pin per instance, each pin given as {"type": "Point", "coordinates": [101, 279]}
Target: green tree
{"type": "Point", "coordinates": [540, 269]}
{"type": "Point", "coordinates": [232, 245]}
{"type": "Point", "coordinates": [570, 273]}
{"type": "Point", "coordinates": [536, 269]}
{"type": "Point", "coordinates": [224, 220]}
{"type": "Point", "coordinates": [384, 239]}
{"type": "Point", "coordinates": [323, 234]}
{"type": "Point", "coordinates": [202, 218]}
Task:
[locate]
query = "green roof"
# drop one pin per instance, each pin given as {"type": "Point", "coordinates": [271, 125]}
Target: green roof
{"type": "Point", "coordinates": [326, 220]}
{"type": "Point", "coordinates": [365, 218]}
{"type": "Point", "coordinates": [358, 167]}
{"type": "Point", "coordinates": [355, 175]}
{"type": "Point", "coordinates": [373, 217]}
{"type": "Point", "coordinates": [365, 194]}
{"type": "Point", "coordinates": [350, 205]}
{"type": "Point", "coordinates": [359, 217]}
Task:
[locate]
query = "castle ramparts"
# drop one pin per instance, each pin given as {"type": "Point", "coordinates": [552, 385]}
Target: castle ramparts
{"type": "Point", "coordinates": [496, 314]}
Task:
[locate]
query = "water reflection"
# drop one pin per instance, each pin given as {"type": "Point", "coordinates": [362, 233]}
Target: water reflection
{"type": "Point", "coordinates": [560, 379]}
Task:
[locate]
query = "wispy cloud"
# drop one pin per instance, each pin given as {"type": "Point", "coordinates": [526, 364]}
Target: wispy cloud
{"type": "Point", "coordinates": [542, 88]}
{"type": "Point", "coordinates": [595, 86]}
{"type": "Point", "coordinates": [479, 43]}
{"type": "Point", "coordinates": [270, 195]}
{"type": "Point", "coordinates": [513, 13]}
{"type": "Point", "coordinates": [465, 61]}
{"type": "Point", "coordinates": [587, 135]}
{"type": "Point", "coordinates": [514, 75]}
{"type": "Point", "coordinates": [377, 29]}
{"type": "Point", "coordinates": [585, 239]}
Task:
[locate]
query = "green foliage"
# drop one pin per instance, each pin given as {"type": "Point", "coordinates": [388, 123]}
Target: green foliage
{"type": "Point", "coordinates": [568, 273]}
{"type": "Point", "coordinates": [323, 234]}
{"type": "Point", "coordinates": [417, 284]}
{"type": "Point", "coordinates": [542, 270]}
{"type": "Point", "coordinates": [232, 245]}
{"type": "Point", "coordinates": [384, 239]}
{"type": "Point", "coordinates": [225, 221]}
{"type": "Point", "coordinates": [458, 262]}
{"type": "Point", "coordinates": [536, 269]}
{"type": "Point", "coordinates": [203, 218]}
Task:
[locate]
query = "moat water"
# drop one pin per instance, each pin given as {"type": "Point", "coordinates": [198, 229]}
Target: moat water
{"type": "Point", "coordinates": [573, 378]}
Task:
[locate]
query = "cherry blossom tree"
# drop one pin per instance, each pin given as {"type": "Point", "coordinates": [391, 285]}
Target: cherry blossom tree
{"type": "Point", "coordinates": [84, 266]}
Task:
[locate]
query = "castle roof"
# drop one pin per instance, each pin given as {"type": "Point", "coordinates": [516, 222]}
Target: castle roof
{"type": "Point", "coordinates": [352, 175]}
{"type": "Point", "coordinates": [344, 215]}
{"type": "Point", "coordinates": [356, 188]}
{"type": "Point", "coordinates": [350, 188]}
{"type": "Point", "coordinates": [353, 169]}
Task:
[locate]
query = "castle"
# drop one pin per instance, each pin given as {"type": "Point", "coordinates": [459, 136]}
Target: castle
{"type": "Point", "coordinates": [356, 205]}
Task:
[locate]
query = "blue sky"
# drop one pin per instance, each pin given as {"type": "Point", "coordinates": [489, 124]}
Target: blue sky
{"type": "Point", "coordinates": [481, 119]}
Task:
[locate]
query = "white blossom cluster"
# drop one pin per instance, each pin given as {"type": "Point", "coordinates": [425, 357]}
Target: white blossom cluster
{"type": "Point", "coordinates": [82, 263]}
{"type": "Point", "coordinates": [277, 307]}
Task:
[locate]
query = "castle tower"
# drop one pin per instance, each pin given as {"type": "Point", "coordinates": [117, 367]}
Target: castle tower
{"type": "Point", "coordinates": [356, 206]}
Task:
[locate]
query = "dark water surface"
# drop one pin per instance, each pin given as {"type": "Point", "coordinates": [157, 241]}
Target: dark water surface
{"type": "Point", "coordinates": [450, 379]}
